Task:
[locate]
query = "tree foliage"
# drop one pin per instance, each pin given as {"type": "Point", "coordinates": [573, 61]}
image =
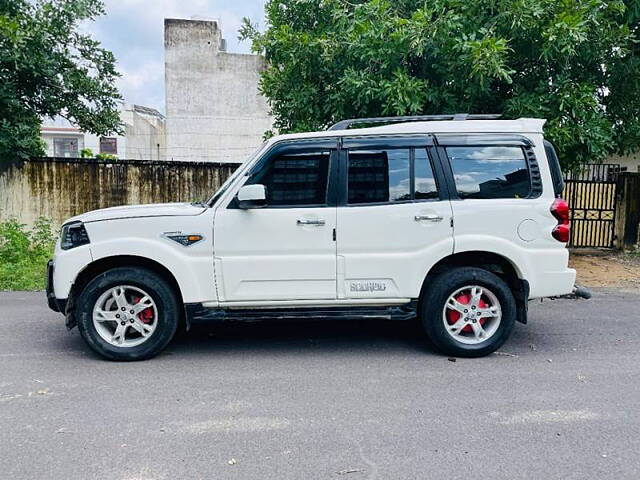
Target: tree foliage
{"type": "Point", "coordinates": [49, 67]}
{"type": "Point", "coordinates": [573, 62]}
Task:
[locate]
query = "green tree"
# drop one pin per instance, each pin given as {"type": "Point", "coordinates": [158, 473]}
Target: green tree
{"type": "Point", "coordinates": [49, 67]}
{"type": "Point", "coordinates": [573, 62]}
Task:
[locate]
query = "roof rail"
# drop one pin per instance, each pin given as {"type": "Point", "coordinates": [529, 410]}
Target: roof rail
{"type": "Point", "coordinates": [345, 124]}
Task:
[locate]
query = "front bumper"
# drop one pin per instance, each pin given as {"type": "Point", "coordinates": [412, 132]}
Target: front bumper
{"type": "Point", "coordinates": [55, 304]}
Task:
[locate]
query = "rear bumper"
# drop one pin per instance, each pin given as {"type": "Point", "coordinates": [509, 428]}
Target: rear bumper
{"type": "Point", "coordinates": [554, 283]}
{"type": "Point", "coordinates": [548, 273]}
{"type": "Point", "coordinates": [55, 304]}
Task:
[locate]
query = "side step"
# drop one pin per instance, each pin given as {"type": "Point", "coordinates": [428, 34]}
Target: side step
{"type": "Point", "coordinates": [197, 314]}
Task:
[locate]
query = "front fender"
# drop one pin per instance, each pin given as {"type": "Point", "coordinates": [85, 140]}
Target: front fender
{"type": "Point", "coordinates": [192, 267]}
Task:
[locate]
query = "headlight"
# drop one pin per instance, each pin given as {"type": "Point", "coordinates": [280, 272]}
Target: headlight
{"type": "Point", "coordinates": [73, 235]}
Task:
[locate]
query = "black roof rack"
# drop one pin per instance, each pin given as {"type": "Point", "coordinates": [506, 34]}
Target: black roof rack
{"type": "Point", "coordinates": [345, 124]}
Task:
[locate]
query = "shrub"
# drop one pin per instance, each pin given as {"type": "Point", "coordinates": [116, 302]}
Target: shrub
{"type": "Point", "coordinates": [24, 254]}
{"type": "Point", "coordinates": [106, 156]}
{"type": "Point", "coordinates": [86, 153]}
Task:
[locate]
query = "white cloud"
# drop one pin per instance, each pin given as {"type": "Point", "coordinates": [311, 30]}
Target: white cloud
{"type": "Point", "coordinates": [487, 155]}
{"type": "Point", "coordinates": [143, 81]}
{"type": "Point", "coordinates": [134, 31]}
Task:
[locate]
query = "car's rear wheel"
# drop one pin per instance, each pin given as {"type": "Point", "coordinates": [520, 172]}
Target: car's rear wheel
{"type": "Point", "coordinates": [468, 312]}
{"type": "Point", "coordinates": [127, 313]}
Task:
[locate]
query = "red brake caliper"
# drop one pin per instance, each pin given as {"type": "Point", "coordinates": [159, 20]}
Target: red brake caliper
{"type": "Point", "coordinates": [145, 315]}
{"type": "Point", "coordinates": [465, 299]}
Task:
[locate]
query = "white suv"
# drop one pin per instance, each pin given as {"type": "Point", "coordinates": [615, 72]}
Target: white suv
{"type": "Point", "coordinates": [456, 220]}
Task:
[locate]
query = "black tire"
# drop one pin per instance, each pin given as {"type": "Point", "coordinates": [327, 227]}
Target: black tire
{"type": "Point", "coordinates": [438, 291]}
{"type": "Point", "coordinates": [156, 287]}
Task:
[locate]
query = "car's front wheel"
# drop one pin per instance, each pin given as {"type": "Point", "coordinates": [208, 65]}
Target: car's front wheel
{"type": "Point", "coordinates": [127, 313]}
{"type": "Point", "coordinates": [468, 312]}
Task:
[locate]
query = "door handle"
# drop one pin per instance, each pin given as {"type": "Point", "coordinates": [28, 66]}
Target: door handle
{"type": "Point", "coordinates": [303, 221]}
{"type": "Point", "coordinates": [427, 218]}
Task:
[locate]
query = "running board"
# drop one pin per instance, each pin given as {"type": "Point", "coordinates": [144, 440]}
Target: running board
{"type": "Point", "coordinates": [196, 313]}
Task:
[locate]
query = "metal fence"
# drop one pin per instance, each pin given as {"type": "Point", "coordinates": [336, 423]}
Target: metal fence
{"type": "Point", "coordinates": [591, 194]}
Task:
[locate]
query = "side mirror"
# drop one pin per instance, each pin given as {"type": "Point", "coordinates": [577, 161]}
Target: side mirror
{"type": "Point", "coordinates": [252, 196]}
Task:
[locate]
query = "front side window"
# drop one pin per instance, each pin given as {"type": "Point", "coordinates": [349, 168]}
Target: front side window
{"type": "Point", "coordinates": [490, 172]}
{"type": "Point", "coordinates": [298, 179]}
{"type": "Point", "coordinates": [384, 176]}
{"type": "Point", "coordinates": [234, 175]}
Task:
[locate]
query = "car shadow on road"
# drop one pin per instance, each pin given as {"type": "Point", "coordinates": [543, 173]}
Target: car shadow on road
{"type": "Point", "coordinates": [300, 337]}
{"type": "Point", "coordinates": [352, 337]}
{"type": "Point", "coordinates": [328, 336]}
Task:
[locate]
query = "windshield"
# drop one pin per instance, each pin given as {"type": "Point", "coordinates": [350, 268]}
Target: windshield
{"type": "Point", "coordinates": [233, 176]}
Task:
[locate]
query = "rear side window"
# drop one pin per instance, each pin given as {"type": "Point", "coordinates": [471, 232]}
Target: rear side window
{"type": "Point", "coordinates": [391, 175]}
{"type": "Point", "coordinates": [490, 171]}
{"type": "Point", "coordinates": [378, 176]}
{"type": "Point", "coordinates": [296, 179]}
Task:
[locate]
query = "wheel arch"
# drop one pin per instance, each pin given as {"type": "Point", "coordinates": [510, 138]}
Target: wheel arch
{"type": "Point", "coordinates": [493, 262]}
{"type": "Point", "coordinates": [102, 265]}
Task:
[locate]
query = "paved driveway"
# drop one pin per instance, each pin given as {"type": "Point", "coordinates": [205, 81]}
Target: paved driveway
{"type": "Point", "coordinates": [329, 400]}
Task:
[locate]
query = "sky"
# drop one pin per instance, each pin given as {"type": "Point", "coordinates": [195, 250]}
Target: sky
{"type": "Point", "coordinates": [133, 31]}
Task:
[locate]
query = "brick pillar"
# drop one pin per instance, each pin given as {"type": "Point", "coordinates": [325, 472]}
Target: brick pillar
{"type": "Point", "coordinates": [627, 224]}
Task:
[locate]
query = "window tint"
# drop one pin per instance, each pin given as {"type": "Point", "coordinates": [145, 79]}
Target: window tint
{"type": "Point", "coordinates": [296, 179]}
{"type": "Point", "coordinates": [490, 172]}
{"type": "Point", "coordinates": [425, 183]}
{"type": "Point", "coordinates": [378, 176]}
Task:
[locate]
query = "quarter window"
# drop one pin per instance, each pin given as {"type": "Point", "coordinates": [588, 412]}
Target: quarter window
{"type": "Point", "coordinates": [296, 179]}
{"type": "Point", "coordinates": [490, 172]}
{"type": "Point", "coordinates": [425, 182]}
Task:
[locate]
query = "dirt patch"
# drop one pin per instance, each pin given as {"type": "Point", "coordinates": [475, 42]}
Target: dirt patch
{"type": "Point", "coordinates": [606, 269]}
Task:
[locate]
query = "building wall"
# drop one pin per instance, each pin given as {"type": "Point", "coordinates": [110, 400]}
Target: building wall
{"type": "Point", "coordinates": [214, 109]}
{"type": "Point", "coordinates": [144, 134]}
{"type": "Point", "coordinates": [630, 161]}
{"type": "Point", "coordinates": [49, 133]}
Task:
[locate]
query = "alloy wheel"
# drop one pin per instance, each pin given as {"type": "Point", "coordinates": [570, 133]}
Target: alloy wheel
{"type": "Point", "coordinates": [125, 316]}
{"type": "Point", "coordinates": [472, 314]}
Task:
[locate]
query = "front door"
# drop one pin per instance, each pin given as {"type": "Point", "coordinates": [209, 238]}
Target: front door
{"type": "Point", "coordinates": [285, 250]}
{"type": "Point", "coordinates": [394, 220]}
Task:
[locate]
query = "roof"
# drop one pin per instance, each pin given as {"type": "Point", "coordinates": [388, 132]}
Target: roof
{"type": "Point", "coordinates": [521, 125]}
{"type": "Point", "coordinates": [147, 111]}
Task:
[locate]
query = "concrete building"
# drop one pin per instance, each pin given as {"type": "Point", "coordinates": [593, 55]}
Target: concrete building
{"type": "Point", "coordinates": [214, 109]}
{"type": "Point", "coordinates": [144, 136]}
{"type": "Point", "coordinates": [145, 133]}
{"type": "Point", "coordinates": [630, 161]}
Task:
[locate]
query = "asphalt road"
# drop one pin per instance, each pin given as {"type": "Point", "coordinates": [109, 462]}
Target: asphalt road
{"type": "Point", "coordinates": [326, 400]}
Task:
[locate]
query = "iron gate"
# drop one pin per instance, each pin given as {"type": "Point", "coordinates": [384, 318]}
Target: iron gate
{"type": "Point", "coordinates": [591, 195]}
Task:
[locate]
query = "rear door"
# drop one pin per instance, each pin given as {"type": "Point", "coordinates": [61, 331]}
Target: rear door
{"type": "Point", "coordinates": [496, 193]}
{"type": "Point", "coordinates": [394, 218]}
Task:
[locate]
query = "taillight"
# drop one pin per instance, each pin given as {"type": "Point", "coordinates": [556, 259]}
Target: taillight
{"type": "Point", "coordinates": [560, 210]}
